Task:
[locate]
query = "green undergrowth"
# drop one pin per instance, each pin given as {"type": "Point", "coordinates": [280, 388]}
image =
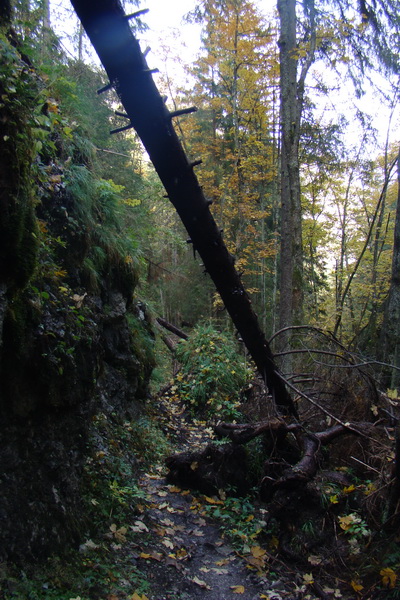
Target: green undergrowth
{"type": "Point", "coordinates": [102, 566]}
{"type": "Point", "coordinates": [119, 452]}
{"type": "Point", "coordinates": [213, 373]}
{"type": "Point", "coordinates": [100, 570]}
{"type": "Point", "coordinates": [240, 520]}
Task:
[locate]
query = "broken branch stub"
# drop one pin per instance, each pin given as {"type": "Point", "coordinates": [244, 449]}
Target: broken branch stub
{"type": "Point", "coordinates": [105, 23]}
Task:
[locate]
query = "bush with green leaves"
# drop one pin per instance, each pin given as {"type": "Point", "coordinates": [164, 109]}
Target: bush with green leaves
{"type": "Point", "coordinates": [213, 373]}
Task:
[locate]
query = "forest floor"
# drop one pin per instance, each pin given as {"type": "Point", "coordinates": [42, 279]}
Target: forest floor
{"type": "Point", "coordinates": [178, 544]}
{"type": "Point", "coordinates": [187, 545]}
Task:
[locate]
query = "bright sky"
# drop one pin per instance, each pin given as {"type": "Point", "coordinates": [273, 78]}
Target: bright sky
{"type": "Point", "coordinates": [172, 40]}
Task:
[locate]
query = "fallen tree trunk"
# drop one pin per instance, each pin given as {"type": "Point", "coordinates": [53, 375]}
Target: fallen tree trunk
{"type": "Point", "coordinates": [172, 328]}
{"type": "Point", "coordinates": [208, 470]}
{"type": "Point", "coordinates": [108, 29]}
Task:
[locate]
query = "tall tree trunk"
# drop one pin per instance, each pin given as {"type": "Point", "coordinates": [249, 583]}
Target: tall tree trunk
{"type": "Point", "coordinates": [392, 317]}
{"type": "Point", "coordinates": [119, 51]}
{"type": "Point", "coordinates": [292, 89]}
{"type": "Point", "coordinates": [291, 268]}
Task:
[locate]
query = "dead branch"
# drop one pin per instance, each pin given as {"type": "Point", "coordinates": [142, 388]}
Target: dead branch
{"type": "Point", "coordinates": [172, 328]}
{"type": "Point", "coordinates": [243, 433]}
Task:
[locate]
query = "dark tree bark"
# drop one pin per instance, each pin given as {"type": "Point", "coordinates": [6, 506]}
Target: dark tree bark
{"type": "Point", "coordinates": [172, 328]}
{"type": "Point", "coordinates": [119, 51]}
{"type": "Point", "coordinates": [392, 316]}
{"type": "Point", "coordinates": [291, 106]}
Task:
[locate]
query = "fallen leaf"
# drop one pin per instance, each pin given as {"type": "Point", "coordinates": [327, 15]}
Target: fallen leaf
{"type": "Point", "coordinates": [88, 545]}
{"type": "Point", "coordinates": [219, 571]}
{"type": "Point", "coordinates": [212, 500]}
{"type": "Point", "coordinates": [139, 526]}
{"type": "Point", "coordinates": [308, 578]}
{"type": "Point", "coordinates": [162, 493]}
{"type": "Point", "coordinates": [314, 560]}
{"type": "Point", "coordinates": [257, 551]}
{"type": "Point", "coordinates": [168, 543]}
{"type": "Point", "coordinates": [170, 509]}
{"type": "Point", "coordinates": [194, 465]}
{"type": "Point", "coordinates": [204, 569]}
{"type": "Point", "coordinates": [257, 563]}
{"type": "Point", "coordinates": [182, 554]}
{"type": "Point", "coordinates": [389, 577]}
{"type": "Point", "coordinates": [174, 489]}
{"type": "Point", "coordinates": [201, 583]}
{"type": "Point", "coordinates": [197, 533]}
{"type": "Point", "coordinates": [222, 562]}
{"type": "Point", "coordinates": [237, 589]}
{"type": "Point", "coordinates": [156, 556]}
{"type": "Point", "coordinates": [357, 587]}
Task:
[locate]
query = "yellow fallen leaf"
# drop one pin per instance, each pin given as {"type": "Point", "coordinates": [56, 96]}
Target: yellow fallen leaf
{"type": "Point", "coordinates": [257, 551]}
{"type": "Point", "coordinates": [334, 499]}
{"type": "Point", "coordinates": [237, 589]}
{"type": "Point", "coordinates": [357, 587]}
{"type": "Point", "coordinates": [308, 578]}
{"type": "Point", "coordinates": [222, 562]}
{"type": "Point", "coordinates": [181, 554]}
{"type": "Point", "coordinates": [144, 555]}
{"type": "Point", "coordinates": [174, 489]}
{"type": "Point", "coordinates": [389, 577]}
{"type": "Point", "coordinates": [249, 518]}
{"type": "Point", "coordinates": [212, 500]}
{"type": "Point", "coordinates": [346, 522]}
{"type": "Point", "coordinates": [349, 489]}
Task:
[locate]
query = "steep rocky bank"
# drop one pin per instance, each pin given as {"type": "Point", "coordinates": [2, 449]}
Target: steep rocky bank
{"type": "Point", "coordinates": [74, 343]}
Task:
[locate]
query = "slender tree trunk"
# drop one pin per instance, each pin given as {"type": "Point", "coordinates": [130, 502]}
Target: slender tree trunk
{"type": "Point", "coordinates": [119, 51]}
{"type": "Point", "coordinates": [392, 320]}
{"type": "Point", "coordinates": [291, 267]}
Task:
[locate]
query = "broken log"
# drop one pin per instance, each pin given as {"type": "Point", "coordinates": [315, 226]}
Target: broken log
{"type": "Point", "coordinates": [119, 51]}
{"type": "Point", "coordinates": [214, 467]}
{"type": "Point", "coordinates": [211, 469]}
{"type": "Point", "coordinates": [172, 328]}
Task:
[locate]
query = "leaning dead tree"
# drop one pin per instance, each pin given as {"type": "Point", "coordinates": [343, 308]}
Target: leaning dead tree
{"type": "Point", "coordinates": [129, 75]}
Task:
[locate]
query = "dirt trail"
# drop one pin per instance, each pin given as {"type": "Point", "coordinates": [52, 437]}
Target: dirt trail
{"type": "Point", "coordinates": [182, 551]}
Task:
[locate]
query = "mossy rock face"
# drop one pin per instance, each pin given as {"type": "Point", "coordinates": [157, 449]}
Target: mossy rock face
{"type": "Point", "coordinates": [18, 228]}
{"type": "Point", "coordinates": [68, 350]}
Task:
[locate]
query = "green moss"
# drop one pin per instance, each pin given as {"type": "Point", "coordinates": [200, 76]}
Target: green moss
{"type": "Point", "coordinates": [142, 346]}
{"type": "Point", "coordinates": [18, 224]}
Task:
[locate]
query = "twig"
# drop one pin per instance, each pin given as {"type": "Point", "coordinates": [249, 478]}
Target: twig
{"type": "Point", "coordinates": [328, 413]}
{"type": "Point", "coordinates": [365, 465]}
